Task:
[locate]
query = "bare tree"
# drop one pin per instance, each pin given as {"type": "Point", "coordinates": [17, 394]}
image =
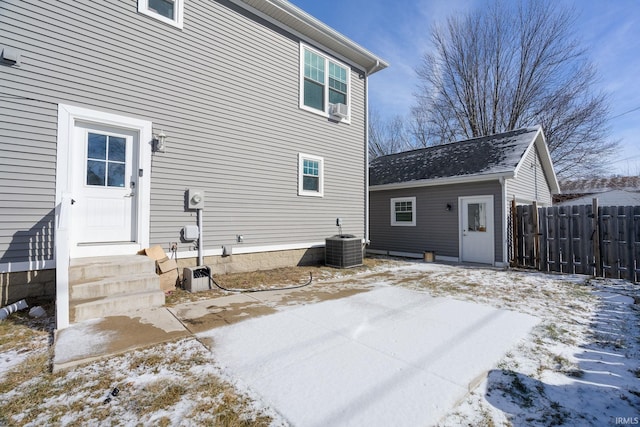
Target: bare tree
{"type": "Point", "coordinates": [387, 136]}
{"type": "Point", "coordinates": [510, 66]}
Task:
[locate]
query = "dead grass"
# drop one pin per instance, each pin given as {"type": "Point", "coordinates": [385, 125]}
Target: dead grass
{"type": "Point", "coordinates": [31, 394]}
{"type": "Point", "coordinates": [160, 394]}
{"type": "Point", "coordinates": [275, 278]}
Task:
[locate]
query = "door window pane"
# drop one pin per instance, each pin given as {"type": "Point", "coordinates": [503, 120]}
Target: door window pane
{"type": "Point", "coordinates": [97, 146]}
{"type": "Point", "coordinates": [117, 149]}
{"type": "Point", "coordinates": [477, 217]}
{"type": "Point", "coordinates": [95, 172]}
{"type": "Point", "coordinates": [116, 175]}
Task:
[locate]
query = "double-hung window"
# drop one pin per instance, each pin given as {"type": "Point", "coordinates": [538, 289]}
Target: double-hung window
{"type": "Point", "coordinates": [168, 11]}
{"type": "Point", "coordinates": [310, 175]}
{"type": "Point", "coordinates": [403, 211]}
{"type": "Point", "coordinates": [324, 84]}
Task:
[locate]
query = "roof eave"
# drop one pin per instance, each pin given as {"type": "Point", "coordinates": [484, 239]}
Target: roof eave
{"type": "Point", "coordinates": [443, 181]}
{"type": "Point", "coordinates": [297, 21]}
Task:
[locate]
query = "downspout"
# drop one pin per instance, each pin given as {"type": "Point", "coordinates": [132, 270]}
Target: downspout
{"type": "Point", "coordinates": [505, 221]}
{"type": "Point", "coordinates": [366, 151]}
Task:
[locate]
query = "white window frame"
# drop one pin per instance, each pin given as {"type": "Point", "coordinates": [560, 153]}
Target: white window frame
{"type": "Point", "coordinates": [327, 106]}
{"type": "Point", "coordinates": [396, 223]}
{"type": "Point", "coordinates": [301, 190]}
{"type": "Point", "coordinates": [177, 21]}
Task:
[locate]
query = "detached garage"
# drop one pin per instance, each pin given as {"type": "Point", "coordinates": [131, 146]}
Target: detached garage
{"type": "Point", "coordinates": [454, 199]}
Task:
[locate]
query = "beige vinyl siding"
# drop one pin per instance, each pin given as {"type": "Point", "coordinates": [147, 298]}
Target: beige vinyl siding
{"type": "Point", "coordinates": [436, 228]}
{"type": "Point", "coordinates": [225, 92]}
{"type": "Point", "coordinates": [531, 183]}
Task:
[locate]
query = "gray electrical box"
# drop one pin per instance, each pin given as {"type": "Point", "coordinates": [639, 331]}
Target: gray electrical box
{"type": "Point", "coordinates": [190, 232]}
{"type": "Point", "coordinates": [195, 198]}
{"type": "Point", "coordinates": [196, 279]}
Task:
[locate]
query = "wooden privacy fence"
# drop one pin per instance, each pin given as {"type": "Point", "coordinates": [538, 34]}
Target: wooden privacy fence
{"type": "Point", "coordinates": [571, 239]}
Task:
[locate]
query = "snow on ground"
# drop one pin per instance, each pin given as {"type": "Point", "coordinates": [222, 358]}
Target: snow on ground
{"type": "Point", "coordinates": [579, 366]}
{"type": "Point", "coordinates": [390, 356]}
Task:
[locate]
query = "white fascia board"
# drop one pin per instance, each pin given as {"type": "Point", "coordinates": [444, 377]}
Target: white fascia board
{"type": "Point", "coordinates": [299, 23]}
{"type": "Point", "coordinates": [442, 181]}
{"type": "Point", "coordinates": [547, 163]}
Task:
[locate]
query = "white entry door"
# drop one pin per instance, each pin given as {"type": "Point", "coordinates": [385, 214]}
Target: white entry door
{"type": "Point", "coordinates": [104, 187]}
{"type": "Point", "coordinates": [476, 229]}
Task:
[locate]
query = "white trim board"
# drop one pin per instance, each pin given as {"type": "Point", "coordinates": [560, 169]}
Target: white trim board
{"type": "Point", "coordinates": [68, 116]}
{"type": "Point", "coordinates": [21, 266]}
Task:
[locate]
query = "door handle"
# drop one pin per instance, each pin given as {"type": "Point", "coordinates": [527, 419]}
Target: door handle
{"type": "Point", "coordinates": [132, 185]}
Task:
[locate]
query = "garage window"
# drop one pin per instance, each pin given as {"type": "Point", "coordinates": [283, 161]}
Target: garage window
{"type": "Point", "coordinates": [403, 211]}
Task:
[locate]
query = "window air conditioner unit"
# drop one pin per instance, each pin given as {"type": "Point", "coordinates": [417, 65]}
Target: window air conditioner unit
{"type": "Point", "coordinates": [340, 110]}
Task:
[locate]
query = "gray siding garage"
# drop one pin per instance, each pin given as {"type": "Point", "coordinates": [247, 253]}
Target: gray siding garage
{"type": "Point", "coordinates": [454, 199]}
{"type": "Point", "coordinates": [436, 226]}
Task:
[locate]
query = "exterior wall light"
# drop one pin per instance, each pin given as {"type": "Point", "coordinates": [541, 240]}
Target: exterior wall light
{"type": "Point", "coordinates": [448, 206]}
{"type": "Point", "coordinates": [158, 142]}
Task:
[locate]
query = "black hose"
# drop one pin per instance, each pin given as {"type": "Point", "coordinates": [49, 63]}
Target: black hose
{"type": "Point", "coordinates": [212, 280]}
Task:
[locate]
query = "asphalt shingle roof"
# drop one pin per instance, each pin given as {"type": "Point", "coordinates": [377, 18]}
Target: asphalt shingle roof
{"type": "Point", "coordinates": [493, 154]}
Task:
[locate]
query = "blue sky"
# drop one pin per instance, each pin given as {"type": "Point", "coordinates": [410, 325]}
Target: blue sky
{"type": "Point", "coordinates": [398, 32]}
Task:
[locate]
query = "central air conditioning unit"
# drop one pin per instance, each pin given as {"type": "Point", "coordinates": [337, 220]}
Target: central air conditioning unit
{"type": "Point", "coordinates": [340, 110]}
{"type": "Point", "coordinates": [343, 251]}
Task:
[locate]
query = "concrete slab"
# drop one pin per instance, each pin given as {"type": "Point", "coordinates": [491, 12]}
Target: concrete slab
{"type": "Point", "coordinates": [370, 359]}
{"type": "Point", "coordinates": [203, 315]}
{"type": "Point", "coordinates": [98, 338]}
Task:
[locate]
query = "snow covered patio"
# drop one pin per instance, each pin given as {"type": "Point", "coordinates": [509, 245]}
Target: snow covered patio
{"type": "Point", "coordinates": [389, 356]}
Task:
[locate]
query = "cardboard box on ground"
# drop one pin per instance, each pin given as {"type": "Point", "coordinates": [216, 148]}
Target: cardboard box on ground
{"type": "Point", "coordinates": [166, 268]}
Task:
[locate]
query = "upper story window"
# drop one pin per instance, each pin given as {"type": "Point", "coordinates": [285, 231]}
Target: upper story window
{"type": "Point", "coordinates": [403, 211]}
{"type": "Point", "coordinates": [168, 11]}
{"type": "Point", "coordinates": [324, 85]}
{"type": "Point", "coordinates": [310, 175]}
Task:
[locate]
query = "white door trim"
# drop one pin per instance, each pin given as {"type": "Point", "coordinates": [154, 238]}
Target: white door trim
{"type": "Point", "coordinates": [68, 116]}
{"type": "Point", "coordinates": [490, 223]}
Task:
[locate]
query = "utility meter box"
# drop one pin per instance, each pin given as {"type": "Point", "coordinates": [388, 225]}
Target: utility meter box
{"type": "Point", "coordinates": [195, 198]}
{"type": "Point", "coordinates": [197, 279]}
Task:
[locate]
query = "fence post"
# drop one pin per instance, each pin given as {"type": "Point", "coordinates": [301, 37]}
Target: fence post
{"type": "Point", "coordinates": [630, 242]}
{"type": "Point", "coordinates": [543, 220]}
{"type": "Point", "coordinates": [597, 258]}
{"type": "Point", "coordinates": [536, 236]}
{"type": "Point", "coordinates": [514, 233]}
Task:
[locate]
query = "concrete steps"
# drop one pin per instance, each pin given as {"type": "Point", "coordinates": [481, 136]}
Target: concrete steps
{"type": "Point", "coordinates": [110, 286]}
